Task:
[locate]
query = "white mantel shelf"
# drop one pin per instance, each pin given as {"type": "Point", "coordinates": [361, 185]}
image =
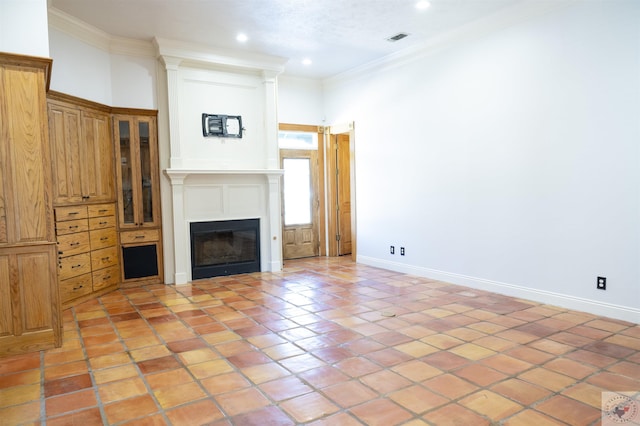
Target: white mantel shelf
{"type": "Point", "coordinates": [182, 173]}
{"type": "Point", "coordinates": [224, 171]}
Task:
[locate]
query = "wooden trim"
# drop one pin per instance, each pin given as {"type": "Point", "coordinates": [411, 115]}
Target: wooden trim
{"type": "Point", "coordinates": [52, 95]}
{"type": "Point", "coordinates": [330, 149]}
{"type": "Point", "coordinates": [321, 195]}
{"type": "Point", "coordinates": [134, 111]}
{"type": "Point", "coordinates": [29, 61]}
{"type": "Point", "coordinates": [301, 128]}
{"type": "Point", "coordinates": [80, 102]}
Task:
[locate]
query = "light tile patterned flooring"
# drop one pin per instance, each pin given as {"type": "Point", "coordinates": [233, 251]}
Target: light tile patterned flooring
{"type": "Point", "coordinates": [325, 342]}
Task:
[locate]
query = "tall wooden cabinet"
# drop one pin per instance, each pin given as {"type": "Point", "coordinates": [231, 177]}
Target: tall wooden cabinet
{"type": "Point", "coordinates": [82, 150]}
{"type": "Point", "coordinates": [84, 197]}
{"type": "Point", "coordinates": [29, 299]}
{"type": "Point", "coordinates": [135, 135]}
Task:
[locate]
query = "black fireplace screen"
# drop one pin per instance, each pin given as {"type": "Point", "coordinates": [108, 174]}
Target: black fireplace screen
{"type": "Point", "coordinates": [225, 247]}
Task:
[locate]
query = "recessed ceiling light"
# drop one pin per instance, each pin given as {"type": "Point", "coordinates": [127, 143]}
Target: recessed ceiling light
{"type": "Point", "coordinates": [306, 61]}
{"type": "Point", "coordinates": [242, 38]}
{"type": "Point", "coordinates": [422, 5]}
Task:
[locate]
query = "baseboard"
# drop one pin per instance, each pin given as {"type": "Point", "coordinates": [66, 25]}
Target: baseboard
{"type": "Point", "coordinates": [594, 307]}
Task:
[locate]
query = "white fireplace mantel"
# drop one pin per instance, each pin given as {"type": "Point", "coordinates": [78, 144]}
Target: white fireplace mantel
{"type": "Point", "coordinates": [181, 182]}
{"type": "Point", "coordinates": [183, 173]}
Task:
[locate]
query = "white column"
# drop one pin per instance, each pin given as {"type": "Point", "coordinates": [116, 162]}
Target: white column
{"type": "Point", "coordinates": [180, 232]}
{"type": "Point", "coordinates": [275, 222]}
{"type": "Point", "coordinates": [270, 83]}
{"type": "Point", "coordinates": [172, 64]}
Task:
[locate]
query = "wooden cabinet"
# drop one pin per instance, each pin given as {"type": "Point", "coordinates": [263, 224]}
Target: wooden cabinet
{"type": "Point", "coordinates": [3, 208]}
{"type": "Point", "coordinates": [84, 197]}
{"type": "Point", "coordinates": [138, 197]}
{"type": "Point", "coordinates": [88, 261]}
{"type": "Point", "coordinates": [137, 171]}
{"type": "Point", "coordinates": [29, 301]}
{"type": "Point", "coordinates": [29, 304]}
{"type": "Point", "coordinates": [81, 150]}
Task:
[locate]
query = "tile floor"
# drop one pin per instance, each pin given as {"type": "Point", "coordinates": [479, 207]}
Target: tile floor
{"type": "Point", "coordinates": [325, 342]}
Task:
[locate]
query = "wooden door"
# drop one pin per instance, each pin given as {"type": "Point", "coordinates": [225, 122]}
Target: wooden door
{"type": "Point", "coordinates": [97, 154]}
{"type": "Point", "coordinates": [343, 201]}
{"type": "Point", "coordinates": [148, 166]}
{"type": "Point", "coordinates": [65, 135]}
{"type": "Point", "coordinates": [23, 128]}
{"type": "Point", "coordinates": [340, 193]}
{"type": "Point", "coordinates": [137, 171]}
{"type": "Point", "coordinates": [300, 203]}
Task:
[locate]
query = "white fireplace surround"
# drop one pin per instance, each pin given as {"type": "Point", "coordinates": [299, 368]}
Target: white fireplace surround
{"type": "Point", "coordinates": [211, 179]}
{"type": "Point", "coordinates": [212, 195]}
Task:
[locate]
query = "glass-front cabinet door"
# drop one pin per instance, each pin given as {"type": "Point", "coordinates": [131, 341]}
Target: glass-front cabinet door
{"type": "Point", "coordinates": [137, 171]}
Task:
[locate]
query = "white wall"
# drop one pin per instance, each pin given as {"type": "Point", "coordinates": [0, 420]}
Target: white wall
{"type": "Point", "coordinates": [134, 81]}
{"type": "Point", "coordinates": [90, 72]}
{"type": "Point", "coordinates": [218, 92]}
{"type": "Point", "coordinates": [23, 27]}
{"type": "Point", "coordinates": [80, 69]}
{"type": "Point", "coordinates": [300, 101]}
{"type": "Point", "coordinates": [510, 162]}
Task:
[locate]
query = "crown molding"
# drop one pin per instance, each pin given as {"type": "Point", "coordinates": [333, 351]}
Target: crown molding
{"type": "Point", "coordinates": [95, 37]}
{"type": "Point", "coordinates": [505, 18]}
{"type": "Point", "coordinates": [207, 57]}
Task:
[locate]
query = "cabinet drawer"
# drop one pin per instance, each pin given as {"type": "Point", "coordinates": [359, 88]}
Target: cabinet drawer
{"type": "Point", "coordinates": [106, 277]}
{"type": "Point", "coordinates": [71, 244]}
{"type": "Point", "coordinates": [139, 236]}
{"type": "Point", "coordinates": [71, 226]}
{"type": "Point", "coordinates": [103, 238]}
{"type": "Point", "coordinates": [104, 257]}
{"type": "Point", "coordinates": [70, 213]}
{"type": "Point", "coordinates": [73, 266]}
{"type": "Point", "coordinates": [98, 210]}
{"type": "Point", "coordinates": [75, 287]}
{"type": "Point", "coordinates": [102, 222]}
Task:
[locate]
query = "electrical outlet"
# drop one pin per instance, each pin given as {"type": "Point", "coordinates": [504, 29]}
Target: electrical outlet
{"type": "Point", "coordinates": [601, 283]}
{"type": "Point", "coordinates": [392, 250]}
{"type": "Point", "coordinates": [401, 251]}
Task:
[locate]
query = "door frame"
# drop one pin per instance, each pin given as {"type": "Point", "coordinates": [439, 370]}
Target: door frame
{"type": "Point", "coordinates": [332, 216]}
{"type": "Point", "coordinates": [322, 239]}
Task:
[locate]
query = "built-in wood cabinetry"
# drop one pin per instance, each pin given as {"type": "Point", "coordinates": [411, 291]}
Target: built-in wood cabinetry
{"type": "Point", "coordinates": [135, 135]}
{"type": "Point", "coordinates": [87, 250]}
{"type": "Point", "coordinates": [81, 149]}
{"type": "Point", "coordinates": [84, 197]}
{"type": "Point", "coordinates": [29, 299]}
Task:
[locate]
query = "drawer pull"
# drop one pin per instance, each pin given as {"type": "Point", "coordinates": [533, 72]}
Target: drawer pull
{"type": "Point", "coordinates": [75, 244]}
{"type": "Point", "coordinates": [73, 227]}
{"type": "Point", "coordinates": [106, 277]}
{"type": "Point", "coordinates": [104, 238]}
{"type": "Point", "coordinates": [138, 237]}
{"type": "Point", "coordinates": [73, 213]}
{"type": "Point", "coordinates": [78, 288]}
{"type": "Point", "coordinates": [105, 258]}
{"type": "Point", "coordinates": [103, 210]}
{"type": "Point", "coordinates": [76, 266]}
{"type": "Point", "coordinates": [103, 223]}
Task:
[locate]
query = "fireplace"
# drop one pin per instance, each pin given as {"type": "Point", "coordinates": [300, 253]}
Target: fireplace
{"type": "Point", "coordinates": [225, 247]}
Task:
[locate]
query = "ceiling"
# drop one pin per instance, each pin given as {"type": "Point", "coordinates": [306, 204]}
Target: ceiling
{"type": "Point", "coordinates": [336, 35]}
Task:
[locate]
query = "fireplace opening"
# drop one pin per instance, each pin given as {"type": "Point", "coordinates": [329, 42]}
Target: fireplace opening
{"type": "Point", "coordinates": [225, 247]}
